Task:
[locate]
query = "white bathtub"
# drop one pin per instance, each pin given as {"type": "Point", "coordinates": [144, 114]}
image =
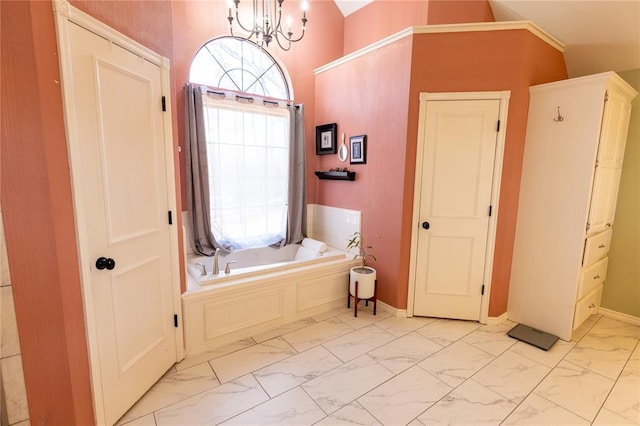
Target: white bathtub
{"type": "Point", "coordinates": [263, 290]}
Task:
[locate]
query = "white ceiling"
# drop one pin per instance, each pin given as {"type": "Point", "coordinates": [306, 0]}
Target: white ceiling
{"type": "Point", "coordinates": [599, 35]}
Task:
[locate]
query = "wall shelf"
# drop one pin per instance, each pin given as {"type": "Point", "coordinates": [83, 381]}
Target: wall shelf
{"type": "Point", "coordinates": [333, 175]}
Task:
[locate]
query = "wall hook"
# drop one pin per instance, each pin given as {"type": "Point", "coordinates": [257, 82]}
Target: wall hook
{"type": "Point", "coordinates": [559, 118]}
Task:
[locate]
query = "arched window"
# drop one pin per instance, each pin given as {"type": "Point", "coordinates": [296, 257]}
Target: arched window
{"type": "Point", "coordinates": [247, 141]}
{"type": "Point", "coordinates": [239, 65]}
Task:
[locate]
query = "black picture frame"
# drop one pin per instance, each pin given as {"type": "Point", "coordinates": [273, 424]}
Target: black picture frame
{"type": "Point", "coordinates": [358, 149]}
{"type": "Point", "coordinates": [326, 139]}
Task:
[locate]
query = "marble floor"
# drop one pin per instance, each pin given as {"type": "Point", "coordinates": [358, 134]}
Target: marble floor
{"type": "Point", "coordinates": [334, 369]}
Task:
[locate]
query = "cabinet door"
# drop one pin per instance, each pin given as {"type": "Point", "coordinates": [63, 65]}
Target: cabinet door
{"type": "Point", "coordinates": [613, 136]}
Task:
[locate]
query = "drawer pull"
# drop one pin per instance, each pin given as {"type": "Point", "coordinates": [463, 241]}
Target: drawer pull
{"type": "Point", "coordinates": [601, 246]}
{"type": "Point", "coordinates": [592, 305]}
{"type": "Point", "coordinates": [597, 277]}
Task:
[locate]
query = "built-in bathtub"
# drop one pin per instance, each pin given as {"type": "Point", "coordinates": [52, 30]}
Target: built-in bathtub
{"type": "Point", "coordinates": [265, 288]}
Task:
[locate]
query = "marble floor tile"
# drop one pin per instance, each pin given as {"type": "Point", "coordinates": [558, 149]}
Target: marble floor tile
{"type": "Point", "coordinates": [296, 370]}
{"type": "Point", "coordinates": [444, 332]}
{"type": "Point", "coordinates": [15, 393]}
{"type": "Point", "coordinates": [316, 334]}
{"type": "Point", "coordinates": [602, 355]}
{"type": "Point", "coordinates": [323, 316]}
{"type": "Point", "coordinates": [562, 384]}
{"type": "Point", "coordinates": [171, 388]}
{"type": "Point", "coordinates": [401, 326]}
{"type": "Point", "coordinates": [608, 418]}
{"type": "Point", "coordinates": [215, 405]}
{"type": "Point", "coordinates": [244, 361]}
{"type": "Point", "coordinates": [340, 386]}
{"type": "Point", "coordinates": [284, 329]}
{"type": "Point", "coordinates": [214, 353]}
{"type": "Point", "coordinates": [349, 415]}
{"type": "Point", "coordinates": [537, 411]}
{"type": "Point", "coordinates": [550, 358]}
{"type": "Point", "coordinates": [512, 376]}
{"type": "Point", "coordinates": [404, 397]}
{"type": "Point", "coordinates": [469, 404]}
{"type": "Point", "coordinates": [624, 399]}
{"type": "Point", "coordinates": [611, 327]}
{"type": "Point", "coordinates": [584, 328]}
{"type": "Point", "coordinates": [294, 407]}
{"type": "Point", "coordinates": [633, 364]}
{"type": "Point", "coordinates": [359, 342]}
{"type": "Point", "coordinates": [9, 344]}
{"type": "Point", "coordinates": [404, 352]}
{"type": "Point", "coordinates": [365, 316]}
{"type": "Point", "coordinates": [491, 338]}
{"type": "Point", "coordinates": [456, 363]}
{"type": "Point", "coordinates": [148, 420]}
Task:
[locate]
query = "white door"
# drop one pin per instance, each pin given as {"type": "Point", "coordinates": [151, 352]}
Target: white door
{"type": "Point", "coordinates": [458, 161]}
{"type": "Point", "coordinates": [124, 200]}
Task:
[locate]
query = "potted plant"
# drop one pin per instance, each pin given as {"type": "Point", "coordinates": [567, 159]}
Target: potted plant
{"type": "Point", "coordinates": [365, 275]}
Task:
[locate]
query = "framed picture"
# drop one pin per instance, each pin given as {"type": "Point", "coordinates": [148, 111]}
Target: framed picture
{"type": "Point", "coordinates": [326, 139]}
{"type": "Point", "coordinates": [358, 149]}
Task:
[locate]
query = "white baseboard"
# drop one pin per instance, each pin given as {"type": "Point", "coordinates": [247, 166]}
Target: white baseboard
{"type": "Point", "coordinates": [619, 316]}
{"type": "Point", "coordinates": [497, 320]}
{"type": "Point", "coordinates": [400, 313]}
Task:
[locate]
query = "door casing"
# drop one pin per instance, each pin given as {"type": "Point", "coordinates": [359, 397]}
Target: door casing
{"type": "Point", "coordinates": [425, 97]}
{"type": "Point", "coordinates": [65, 14]}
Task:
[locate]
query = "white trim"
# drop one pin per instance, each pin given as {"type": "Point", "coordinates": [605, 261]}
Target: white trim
{"type": "Point", "coordinates": [446, 28]}
{"type": "Point", "coordinates": [619, 316]}
{"type": "Point", "coordinates": [400, 313]}
{"type": "Point", "coordinates": [493, 321]}
{"type": "Point", "coordinates": [503, 96]}
{"type": "Point", "coordinates": [65, 14]}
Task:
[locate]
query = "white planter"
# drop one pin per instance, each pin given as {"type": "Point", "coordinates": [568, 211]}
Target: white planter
{"type": "Point", "coordinates": [366, 278]}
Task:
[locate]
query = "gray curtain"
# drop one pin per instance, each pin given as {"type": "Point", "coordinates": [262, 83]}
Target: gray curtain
{"type": "Point", "coordinates": [198, 171]}
{"type": "Point", "coordinates": [297, 212]}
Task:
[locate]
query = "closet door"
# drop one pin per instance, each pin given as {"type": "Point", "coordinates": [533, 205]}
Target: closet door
{"type": "Point", "coordinates": [608, 165]}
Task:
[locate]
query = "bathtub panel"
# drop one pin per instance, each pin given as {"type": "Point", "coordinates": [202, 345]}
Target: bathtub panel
{"type": "Point", "coordinates": [322, 290]}
{"type": "Point", "coordinates": [231, 314]}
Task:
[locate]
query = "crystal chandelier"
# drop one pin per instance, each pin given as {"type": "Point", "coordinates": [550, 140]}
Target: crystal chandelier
{"type": "Point", "coordinates": [267, 23]}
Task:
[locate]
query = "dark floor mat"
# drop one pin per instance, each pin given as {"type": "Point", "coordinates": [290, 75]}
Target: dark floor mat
{"type": "Point", "coordinates": [540, 339]}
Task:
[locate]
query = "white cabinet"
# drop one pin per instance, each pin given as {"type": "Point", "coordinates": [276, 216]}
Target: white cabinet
{"type": "Point", "coordinates": [576, 132]}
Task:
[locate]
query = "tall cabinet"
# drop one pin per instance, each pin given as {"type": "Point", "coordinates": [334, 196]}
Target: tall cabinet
{"type": "Point", "coordinates": [576, 133]}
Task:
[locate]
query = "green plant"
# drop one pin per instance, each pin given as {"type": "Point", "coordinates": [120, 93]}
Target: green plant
{"type": "Point", "coordinates": [356, 241]}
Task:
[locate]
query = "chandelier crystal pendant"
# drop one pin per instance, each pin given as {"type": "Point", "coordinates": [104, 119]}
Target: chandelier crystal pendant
{"type": "Point", "coordinates": [267, 23]}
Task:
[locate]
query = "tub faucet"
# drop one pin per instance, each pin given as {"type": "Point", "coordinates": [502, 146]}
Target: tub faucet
{"type": "Point", "coordinates": [216, 265]}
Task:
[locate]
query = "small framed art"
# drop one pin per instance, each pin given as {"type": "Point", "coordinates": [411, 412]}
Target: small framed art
{"type": "Point", "coordinates": [358, 149]}
{"type": "Point", "coordinates": [326, 139]}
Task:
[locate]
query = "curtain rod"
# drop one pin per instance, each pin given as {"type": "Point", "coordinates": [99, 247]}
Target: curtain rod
{"type": "Point", "coordinates": [251, 99]}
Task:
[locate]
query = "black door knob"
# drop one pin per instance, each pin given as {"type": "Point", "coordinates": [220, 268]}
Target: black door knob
{"type": "Point", "coordinates": [105, 263]}
{"type": "Point", "coordinates": [425, 225]}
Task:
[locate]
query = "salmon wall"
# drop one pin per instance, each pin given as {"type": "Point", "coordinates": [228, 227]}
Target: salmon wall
{"type": "Point", "coordinates": [196, 22]}
{"type": "Point", "coordinates": [382, 18]}
{"type": "Point", "coordinates": [39, 224]}
{"type": "Point", "coordinates": [382, 101]}
{"type": "Point", "coordinates": [368, 96]}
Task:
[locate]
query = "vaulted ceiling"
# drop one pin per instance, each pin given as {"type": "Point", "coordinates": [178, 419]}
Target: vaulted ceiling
{"type": "Point", "coordinates": [599, 35]}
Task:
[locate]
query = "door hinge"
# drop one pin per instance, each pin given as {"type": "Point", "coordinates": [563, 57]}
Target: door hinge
{"type": "Point", "coordinates": [164, 104]}
{"type": "Point", "coordinates": [498, 126]}
{"type": "Point", "coordinates": [490, 210]}
{"type": "Point", "coordinates": [482, 290]}
{"type": "Point", "coordinates": [175, 320]}
{"type": "Point", "coordinates": [170, 218]}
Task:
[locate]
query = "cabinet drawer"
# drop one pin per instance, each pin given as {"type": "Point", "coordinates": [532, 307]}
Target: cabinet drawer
{"type": "Point", "coordinates": [591, 276]}
{"type": "Point", "coordinates": [587, 305]}
{"type": "Point", "coordinates": [596, 247]}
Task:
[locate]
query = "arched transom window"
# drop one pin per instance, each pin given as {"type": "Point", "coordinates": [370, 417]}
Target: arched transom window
{"type": "Point", "coordinates": [239, 65]}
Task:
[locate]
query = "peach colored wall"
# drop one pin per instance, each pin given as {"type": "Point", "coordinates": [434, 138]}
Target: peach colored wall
{"type": "Point", "coordinates": [38, 214]}
{"type": "Point", "coordinates": [459, 11]}
{"type": "Point", "coordinates": [196, 22]}
{"type": "Point", "coordinates": [368, 96]}
{"type": "Point", "coordinates": [382, 18]}
{"type": "Point", "coordinates": [383, 190]}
